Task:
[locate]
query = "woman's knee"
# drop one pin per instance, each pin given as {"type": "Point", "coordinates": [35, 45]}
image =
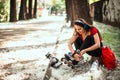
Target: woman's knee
{"type": "Point", "coordinates": [89, 40]}
{"type": "Point", "coordinates": [77, 43]}
{"type": "Point", "coordinates": [90, 37]}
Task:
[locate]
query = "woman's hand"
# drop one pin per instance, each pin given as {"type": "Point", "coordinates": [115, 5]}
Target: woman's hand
{"type": "Point", "coordinates": [77, 57]}
{"type": "Point", "coordinates": [82, 52]}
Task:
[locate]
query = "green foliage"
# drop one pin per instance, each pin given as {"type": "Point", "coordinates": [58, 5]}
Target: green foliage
{"type": "Point", "coordinates": [110, 36]}
{"type": "Point", "coordinates": [4, 10]}
{"type": "Point", "coordinates": [58, 6]}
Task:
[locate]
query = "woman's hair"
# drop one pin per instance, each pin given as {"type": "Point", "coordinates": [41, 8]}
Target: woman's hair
{"type": "Point", "coordinates": [85, 25]}
{"type": "Point", "coordinates": [81, 22]}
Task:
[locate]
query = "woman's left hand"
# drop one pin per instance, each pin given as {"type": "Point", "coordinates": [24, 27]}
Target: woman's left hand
{"type": "Point", "coordinates": [82, 52]}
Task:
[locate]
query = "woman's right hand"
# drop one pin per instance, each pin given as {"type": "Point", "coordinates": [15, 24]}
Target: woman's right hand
{"type": "Point", "coordinates": [77, 57]}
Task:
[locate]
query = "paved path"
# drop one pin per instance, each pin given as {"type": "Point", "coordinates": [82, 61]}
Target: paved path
{"type": "Point", "coordinates": [26, 42]}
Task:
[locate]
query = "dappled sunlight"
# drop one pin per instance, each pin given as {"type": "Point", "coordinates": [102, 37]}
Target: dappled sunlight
{"type": "Point", "coordinates": [22, 55]}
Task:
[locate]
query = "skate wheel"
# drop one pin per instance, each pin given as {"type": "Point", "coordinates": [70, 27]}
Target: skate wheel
{"type": "Point", "coordinates": [62, 59]}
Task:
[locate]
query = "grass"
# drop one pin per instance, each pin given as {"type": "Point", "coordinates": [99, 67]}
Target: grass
{"type": "Point", "coordinates": [110, 36]}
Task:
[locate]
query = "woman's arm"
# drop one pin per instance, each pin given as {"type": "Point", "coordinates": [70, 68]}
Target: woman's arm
{"type": "Point", "coordinates": [93, 47]}
{"type": "Point", "coordinates": [71, 41]}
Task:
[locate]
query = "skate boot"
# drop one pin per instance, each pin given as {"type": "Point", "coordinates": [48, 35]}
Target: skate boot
{"type": "Point", "coordinates": [69, 56]}
{"type": "Point", "coordinates": [67, 62]}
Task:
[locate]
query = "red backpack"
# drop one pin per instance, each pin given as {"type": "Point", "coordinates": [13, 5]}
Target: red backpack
{"type": "Point", "coordinates": [108, 58]}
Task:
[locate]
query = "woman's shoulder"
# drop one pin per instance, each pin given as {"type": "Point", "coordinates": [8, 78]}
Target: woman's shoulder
{"type": "Point", "coordinates": [93, 30]}
{"type": "Point", "coordinates": [93, 27]}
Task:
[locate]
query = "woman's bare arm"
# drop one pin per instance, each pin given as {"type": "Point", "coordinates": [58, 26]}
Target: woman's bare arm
{"type": "Point", "coordinates": [71, 41]}
{"type": "Point", "coordinates": [95, 46]}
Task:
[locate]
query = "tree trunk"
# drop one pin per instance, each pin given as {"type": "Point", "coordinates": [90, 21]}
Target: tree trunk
{"type": "Point", "coordinates": [111, 12]}
{"type": "Point", "coordinates": [74, 10]}
{"type": "Point", "coordinates": [78, 9]}
{"type": "Point", "coordinates": [30, 9]}
{"type": "Point", "coordinates": [98, 11]}
{"type": "Point", "coordinates": [67, 2]}
{"type": "Point", "coordinates": [13, 16]}
{"type": "Point", "coordinates": [35, 9]}
{"type": "Point", "coordinates": [84, 11]}
{"type": "Point", "coordinates": [22, 13]}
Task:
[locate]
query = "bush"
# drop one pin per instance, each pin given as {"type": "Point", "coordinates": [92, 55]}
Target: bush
{"type": "Point", "coordinates": [4, 10]}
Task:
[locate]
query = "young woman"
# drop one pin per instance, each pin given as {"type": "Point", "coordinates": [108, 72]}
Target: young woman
{"type": "Point", "coordinates": [87, 39]}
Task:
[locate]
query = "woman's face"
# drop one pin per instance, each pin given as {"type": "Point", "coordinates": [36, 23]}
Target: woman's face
{"type": "Point", "coordinates": [79, 29]}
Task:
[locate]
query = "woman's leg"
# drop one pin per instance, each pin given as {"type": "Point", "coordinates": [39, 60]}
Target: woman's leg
{"type": "Point", "coordinates": [78, 42]}
{"type": "Point", "coordinates": [96, 54]}
{"type": "Point", "coordinates": [77, 45]}
{"type": "Point", "coordinates": [89, 41]}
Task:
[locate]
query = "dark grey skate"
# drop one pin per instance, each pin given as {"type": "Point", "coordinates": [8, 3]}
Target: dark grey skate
{"type": "Point", "coordinates": [67, 62]}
